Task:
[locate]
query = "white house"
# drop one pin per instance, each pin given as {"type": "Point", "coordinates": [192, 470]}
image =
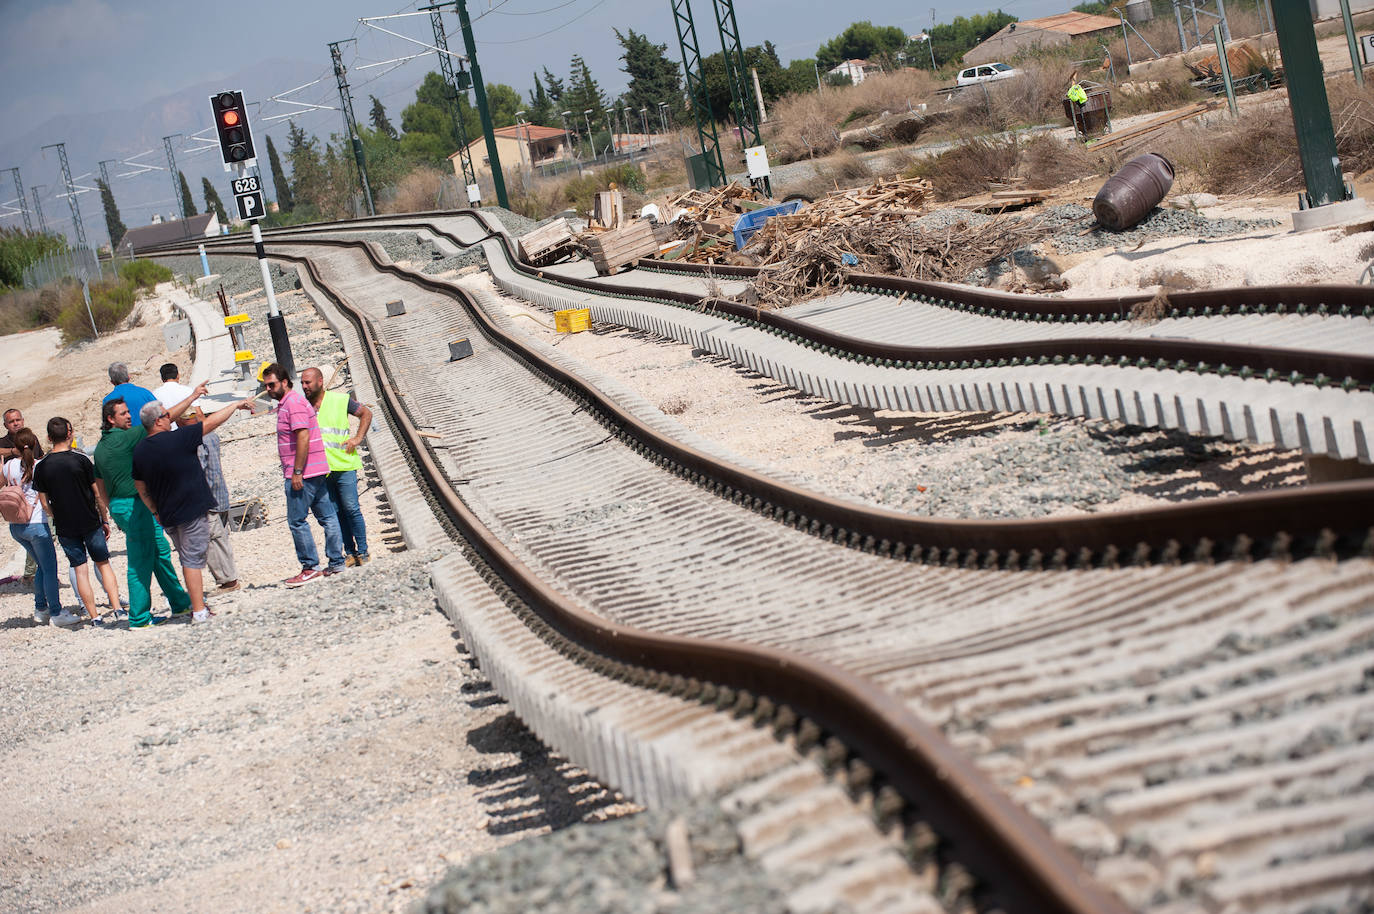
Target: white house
{"type": "Point", "coordinates": [854, 69]}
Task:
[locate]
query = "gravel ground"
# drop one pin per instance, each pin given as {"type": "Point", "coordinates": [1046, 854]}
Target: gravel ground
{"type": "Point", "coordinates": [1162, 222]}
{"type": "Point", "coordinates": [618, 867]}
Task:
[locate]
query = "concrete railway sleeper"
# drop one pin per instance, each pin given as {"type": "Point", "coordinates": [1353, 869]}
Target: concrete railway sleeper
{"type": "Point", "coordinates": [1130, 625]}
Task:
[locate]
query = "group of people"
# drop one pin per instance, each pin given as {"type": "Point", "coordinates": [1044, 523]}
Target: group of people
{"type": "Point", "coordinates": [157, 471]}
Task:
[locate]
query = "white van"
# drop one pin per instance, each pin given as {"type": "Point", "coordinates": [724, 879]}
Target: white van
{"type": "Point", "coordinates": [985, 73]}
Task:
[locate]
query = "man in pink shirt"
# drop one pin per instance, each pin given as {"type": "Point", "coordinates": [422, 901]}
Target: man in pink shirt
{"type": "Point", "coordinates": [303, 463]}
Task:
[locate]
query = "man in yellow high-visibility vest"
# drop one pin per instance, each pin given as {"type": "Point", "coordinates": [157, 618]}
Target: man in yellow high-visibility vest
{"type": "Point", "coordinates": [332, 409]}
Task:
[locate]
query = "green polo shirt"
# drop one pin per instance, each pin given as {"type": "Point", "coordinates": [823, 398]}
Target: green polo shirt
{"type": "Point", "coordinates": [114, 460]}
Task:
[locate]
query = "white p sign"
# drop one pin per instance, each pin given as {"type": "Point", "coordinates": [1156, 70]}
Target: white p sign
{"type": "Point", "coordinates": [250, 205]}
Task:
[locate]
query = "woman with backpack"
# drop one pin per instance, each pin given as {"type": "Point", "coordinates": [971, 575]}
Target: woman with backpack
{"type": "Point", "coordinates": [29, 526]}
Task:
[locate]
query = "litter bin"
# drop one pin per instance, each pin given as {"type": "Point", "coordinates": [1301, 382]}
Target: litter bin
{"type": "Point", "coordinates": [1093, 117]}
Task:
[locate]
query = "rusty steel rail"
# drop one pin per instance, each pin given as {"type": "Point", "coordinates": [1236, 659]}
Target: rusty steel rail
{"type": "Point", "coordinates": [1018, 865]}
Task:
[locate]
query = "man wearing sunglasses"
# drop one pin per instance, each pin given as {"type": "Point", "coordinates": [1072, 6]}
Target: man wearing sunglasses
{"type": "Point", "coordinates": [300, 445]}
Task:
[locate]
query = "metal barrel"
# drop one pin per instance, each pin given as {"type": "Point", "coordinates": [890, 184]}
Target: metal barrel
{"type": "Point", "coordinates": [1130, 194]}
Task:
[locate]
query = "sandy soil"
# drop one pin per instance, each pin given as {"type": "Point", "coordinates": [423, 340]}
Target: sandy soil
{"type": "Point", "coordinates": [44, 379]}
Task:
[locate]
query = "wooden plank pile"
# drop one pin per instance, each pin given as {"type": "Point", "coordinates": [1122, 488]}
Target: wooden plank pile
{"type": "Point", "coordinates": [707, 225]}
{"type": "Point", "coordinates": [1135, 134]}
{"type": "Point", "coordinates": [547, 244]}
{"type": "Point", "coordinates": [999, 201]}
{"type": "Point", "coordinates": [613, 249]}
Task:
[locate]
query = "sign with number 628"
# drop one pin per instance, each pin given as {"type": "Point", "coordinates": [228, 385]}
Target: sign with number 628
{"type": "Point", "coordinates": [245, 185]}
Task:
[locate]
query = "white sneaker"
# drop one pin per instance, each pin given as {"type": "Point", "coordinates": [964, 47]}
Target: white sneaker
{"type": "Point", "coordinates": [41, 616]}
{"type": "Point", "coordinates": [200, 615]}
{"type": "Point", "coordinates": [65, 619]}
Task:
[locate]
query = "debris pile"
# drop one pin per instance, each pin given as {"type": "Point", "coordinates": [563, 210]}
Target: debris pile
{"type": "Point", "coordinates": [816, 260]}
{"type": "Point", "coordinates": [705, 222]}
{"type": "Point", "coordinates": [1243, 59]}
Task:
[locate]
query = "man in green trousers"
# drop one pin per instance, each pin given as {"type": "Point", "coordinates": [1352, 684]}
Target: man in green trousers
{"type": "Point", "coordinates": [147, 548]}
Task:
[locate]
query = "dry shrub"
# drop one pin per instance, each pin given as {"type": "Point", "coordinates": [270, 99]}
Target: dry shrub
{"type": "Point", "coordinates": [1259, 154]}
{"type": "Point", "coordinates": [807, 125]}
{"type": "Point", "coordinates": [21, 310]}
{"type": "Point", "coordinates": [1032, 98]}
{"type": "Point", "coordinates": [968, 167]}
{"type": "Point", "coordinates": [1049, 162]}
{"type": "Point", "coordinates": [1152, 311]}
{"type": "Point", "coordinates": [537, 199]}
{"type": "Point", "coordinates": [416, 192]}
{"type": "Point", "coordinates": [843, 168]}
{"type": "Point", "coordinates": [803, 126]}
{"type": "Point", "coordinates": [675, 405]}
{"type": "Point", "coordinates": [894, 92]}
{"type": "Point", "coordinates": [1155, 95]}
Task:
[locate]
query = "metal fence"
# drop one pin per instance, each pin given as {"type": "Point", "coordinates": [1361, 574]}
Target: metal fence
{"type": "Point", "coordinates": [78, 263]}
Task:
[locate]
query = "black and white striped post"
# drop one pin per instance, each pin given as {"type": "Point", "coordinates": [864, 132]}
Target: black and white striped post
{"type": "Point", "coordinates": [276, 324]}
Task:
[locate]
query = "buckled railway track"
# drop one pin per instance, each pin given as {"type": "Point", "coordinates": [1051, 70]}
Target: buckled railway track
{"type": "Point", "coordinates": [1122, 701]}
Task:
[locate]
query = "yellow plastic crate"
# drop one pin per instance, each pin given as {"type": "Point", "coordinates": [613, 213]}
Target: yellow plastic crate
{"type": "Point", "coordinates": [573, 320]}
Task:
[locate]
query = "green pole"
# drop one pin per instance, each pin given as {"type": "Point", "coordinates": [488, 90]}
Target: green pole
{"type": "Point", "coordinates": [1302, 68]}
{"type": "Point", "coordinates": [1353, 42]}
{"type": "Point", "coordinates": [497, 177]}
{"type": "Point", "coordinates": [1225, 65]}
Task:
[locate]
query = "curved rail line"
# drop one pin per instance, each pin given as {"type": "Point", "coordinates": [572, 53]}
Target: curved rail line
{"type": "Point", "coordinates": [1331, 519]}
{"type": "Point", "coordinates": [690, 671]}
{"type": "Point", "coordinates": [1021, 867]}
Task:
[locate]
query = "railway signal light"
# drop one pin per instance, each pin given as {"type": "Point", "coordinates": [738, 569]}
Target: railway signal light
{"type": "Point", "coordinates": [231, 123]}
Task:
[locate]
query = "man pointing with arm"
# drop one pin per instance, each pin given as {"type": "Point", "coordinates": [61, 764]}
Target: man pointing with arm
{"type": "Point", "coordinates": [170, 482]}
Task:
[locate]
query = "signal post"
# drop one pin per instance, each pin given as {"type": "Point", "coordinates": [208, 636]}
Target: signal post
{"type": "Point", "coordinates": [236, 150]}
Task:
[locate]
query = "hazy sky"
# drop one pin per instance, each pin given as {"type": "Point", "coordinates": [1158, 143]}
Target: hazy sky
{"type": "Point", "coordinates": [78, 56]}
{"type": "Point", "coordinates": [65, 58]}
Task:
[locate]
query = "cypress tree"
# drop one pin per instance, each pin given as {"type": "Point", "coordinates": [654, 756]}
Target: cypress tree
{"type": "Point", "coordinates": [188, 202]}
{"type": "Point", "coordinates": [380, 122]}
{"type": "Point", "coordinates": [285, 202]}
{"type": "Point", "coordinates": [113, 224]}
{"type": "Point", "coordinates": [213, 202]}
{"type": "Point", "coordinates": [540, 110]}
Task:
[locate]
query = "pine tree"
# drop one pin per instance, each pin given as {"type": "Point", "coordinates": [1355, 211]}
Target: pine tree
{"type": "Point", "coordinates": [188, 202]}
{"type": "Point", "coordinates": [653, 77]}
{"type": "Point", "coordinates": [279, 183]}
{"type": "Point", "coordinates": [584, 94]}
{"type": "Point", "coordinates": [380, 121]}
{"type": "Point", "coordinates": [213, 202]}
{"type": "Point", "coordinates": [113, 224]}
